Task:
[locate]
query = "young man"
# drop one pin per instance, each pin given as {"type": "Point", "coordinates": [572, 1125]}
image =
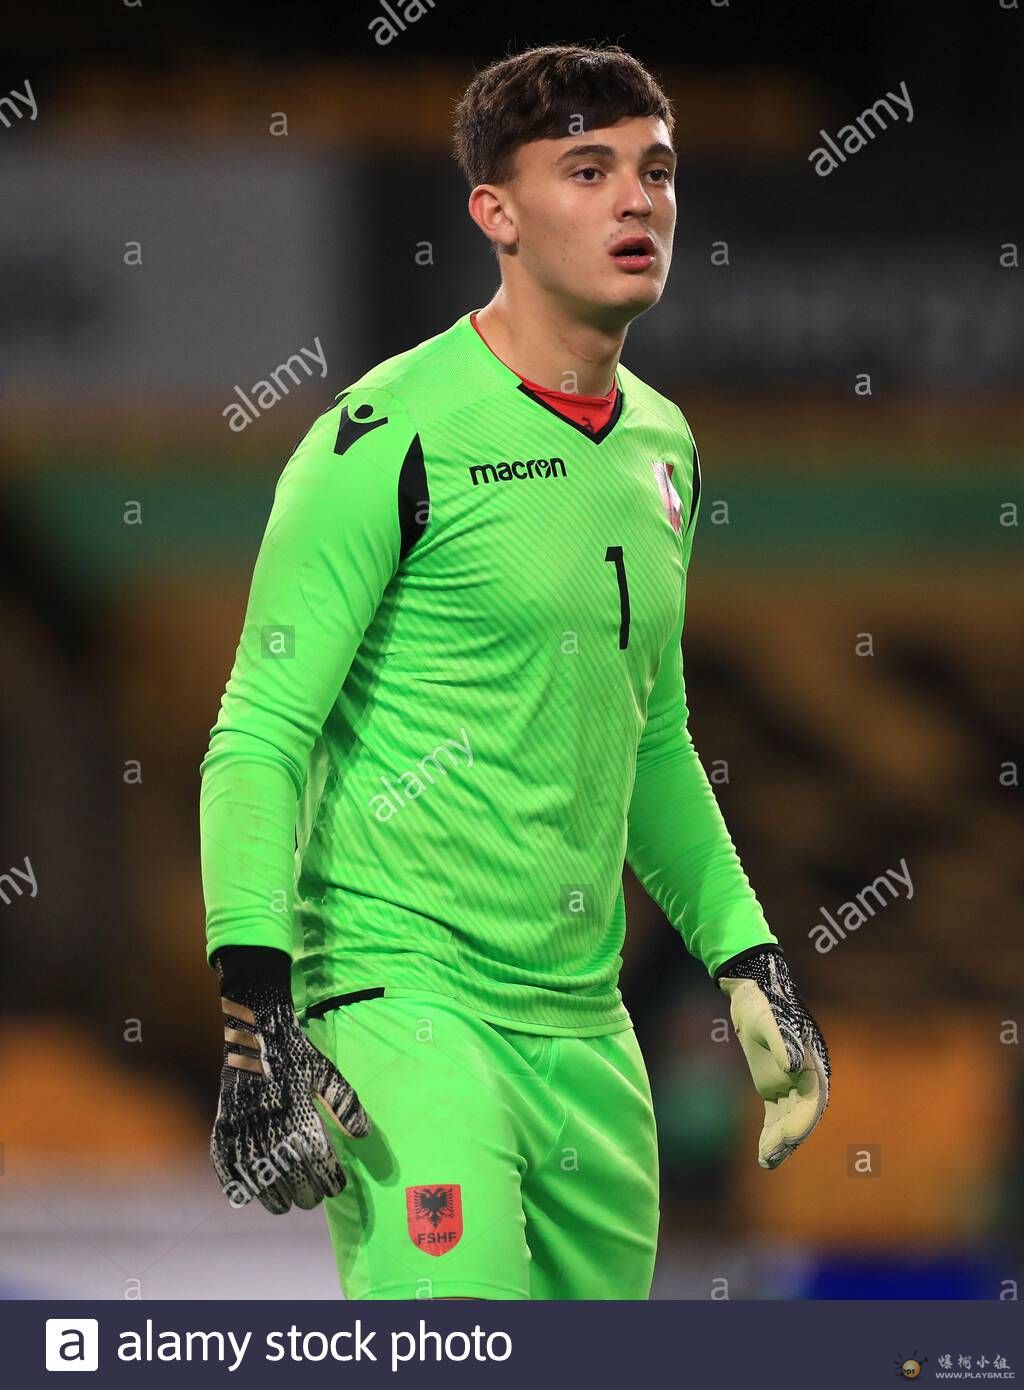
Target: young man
{"type": "Point", "coordinates": [459, 687]}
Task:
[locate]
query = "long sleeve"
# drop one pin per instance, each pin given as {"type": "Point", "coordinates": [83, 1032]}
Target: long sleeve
{"type": "Point", "coordinates": [332, 545]}
{"type": "Point", "coordinates": [678, 844]}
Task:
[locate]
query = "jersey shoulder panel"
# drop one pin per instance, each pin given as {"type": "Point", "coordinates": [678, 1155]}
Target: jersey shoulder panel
{"type": "Point", "coordinates": [434, 378]}
{"type": "Point", "coordinates": [640, 396]}
{"type": "Point", "coordinates": [359, 468]}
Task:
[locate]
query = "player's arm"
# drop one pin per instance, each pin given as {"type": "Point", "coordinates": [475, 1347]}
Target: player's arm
{"type": "Point", "coordinates": [680, 849]}
{"type": "Point", "coordinates": [344, 513]}
{"type": "Point", "coordinates": [678, 844]}
{"type": "Point", "coordinates": [331, 547]}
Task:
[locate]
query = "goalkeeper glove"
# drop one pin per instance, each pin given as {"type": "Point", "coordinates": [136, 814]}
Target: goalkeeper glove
{"type": "Point", "coordinates": [783, 1045]}
{"type": "Point", "coordinates": [268, 1132]}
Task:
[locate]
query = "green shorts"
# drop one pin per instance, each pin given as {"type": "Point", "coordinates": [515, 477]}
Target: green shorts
{"type": "Point", "coordinates": [501, 1164]}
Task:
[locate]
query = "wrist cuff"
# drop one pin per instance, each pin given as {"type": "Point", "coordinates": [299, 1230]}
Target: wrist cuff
{"type": "Point", "coordinates": [241, 967]}
{"type": "Point", "coordinates": [730, 965]}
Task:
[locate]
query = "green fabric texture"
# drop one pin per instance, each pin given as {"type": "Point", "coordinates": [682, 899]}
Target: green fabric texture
{"type": "Point", "coordinates": [539, 1155]}
{"type": "Point", "coordinates": [428, 767]}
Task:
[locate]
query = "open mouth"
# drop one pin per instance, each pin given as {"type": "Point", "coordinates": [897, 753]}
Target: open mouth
{"type": "Point", "coordinates": [634, 252]}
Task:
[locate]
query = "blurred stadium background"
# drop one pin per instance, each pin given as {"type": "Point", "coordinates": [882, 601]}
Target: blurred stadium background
{"type": "Point", "coordinates": [201, 192]}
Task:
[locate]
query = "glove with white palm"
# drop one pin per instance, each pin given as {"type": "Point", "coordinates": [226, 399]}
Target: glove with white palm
{"type": "Point", "coordinates": [785, 1051]}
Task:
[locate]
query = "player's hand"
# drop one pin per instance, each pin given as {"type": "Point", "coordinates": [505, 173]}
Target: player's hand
{"type": "Point", "coordinates": [268, 1139]}
{"type": "Point", "coordinates": [784, 1048]}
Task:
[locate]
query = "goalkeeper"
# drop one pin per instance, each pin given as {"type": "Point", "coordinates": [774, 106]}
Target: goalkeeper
{"type": "Point", "coordinates": [456, 708]}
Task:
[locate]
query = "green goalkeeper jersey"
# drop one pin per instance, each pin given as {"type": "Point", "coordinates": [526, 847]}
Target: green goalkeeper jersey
{"type": "Point", "coordinates": [457, 703]}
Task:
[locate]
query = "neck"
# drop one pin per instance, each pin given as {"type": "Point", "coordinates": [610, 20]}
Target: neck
{"type": "Point", "coordinates": [541, 342]}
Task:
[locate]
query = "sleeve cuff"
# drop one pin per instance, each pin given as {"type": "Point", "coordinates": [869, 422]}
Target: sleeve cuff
{"type": "Point", "coordinates": [727, 966]}
{"type": "Point", "coordinates": [239, 967]}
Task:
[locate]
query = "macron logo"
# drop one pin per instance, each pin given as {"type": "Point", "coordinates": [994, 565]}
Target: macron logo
{"type": "Point", "coordinates": [353, 426]}
{"type": "Point", "coordinates": [505, 471]}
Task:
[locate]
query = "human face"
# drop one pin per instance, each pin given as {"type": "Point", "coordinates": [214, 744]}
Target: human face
{"type": "Point", "coordinates": [575, 200]}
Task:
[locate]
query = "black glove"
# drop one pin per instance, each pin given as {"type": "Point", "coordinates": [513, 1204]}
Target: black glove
{"type": "Point", "coordinates": [268, 1138]}
{"type": "Point", "coordinates": [783, 1045]}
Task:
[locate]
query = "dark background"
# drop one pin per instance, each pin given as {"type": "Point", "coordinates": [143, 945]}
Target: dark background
{"type": "Point", "coordinates": [853, 642]}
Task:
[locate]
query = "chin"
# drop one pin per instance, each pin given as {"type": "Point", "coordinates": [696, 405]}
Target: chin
{"type": "Point", "coordinates": [639, 298]}
{"type": "Point", "coordinates": [619, 302]}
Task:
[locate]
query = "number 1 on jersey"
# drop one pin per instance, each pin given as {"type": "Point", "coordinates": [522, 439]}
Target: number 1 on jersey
{"type": "Point", "coordinates": [614, 552]}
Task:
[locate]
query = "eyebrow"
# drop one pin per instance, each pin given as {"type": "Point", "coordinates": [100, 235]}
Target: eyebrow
{"type": "Point", "coordinates": [578, 151]}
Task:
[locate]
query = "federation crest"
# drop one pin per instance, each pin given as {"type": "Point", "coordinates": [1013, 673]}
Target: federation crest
{"type": "Point", "coordinates": [670, 499]}
{"type": "Point", "coordinates": [435, 1217]}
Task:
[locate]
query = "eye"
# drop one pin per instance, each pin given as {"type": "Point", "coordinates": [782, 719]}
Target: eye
{"type": "Point", "coordinates": [664, 181]}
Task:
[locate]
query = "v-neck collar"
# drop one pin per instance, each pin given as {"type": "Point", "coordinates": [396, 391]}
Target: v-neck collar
{"type": "Point", "coordinates": [513, 379]}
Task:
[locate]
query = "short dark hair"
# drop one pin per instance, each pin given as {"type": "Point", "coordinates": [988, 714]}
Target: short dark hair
{"type": "Point", "coordinates": [544, 94]}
